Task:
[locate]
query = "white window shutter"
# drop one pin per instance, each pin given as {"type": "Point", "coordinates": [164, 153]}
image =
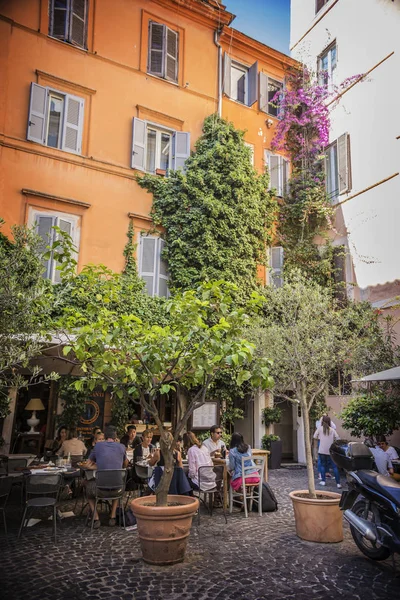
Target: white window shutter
{"type": "Point", "coordinates": [138, 144]}
{"type": "Point", "coordinates": [147, 264]}
{"type": "Point", "coordinates": [37, 114]}
{"type": "Point", "coordinates": [227, 75]}
{"type": "Point", "coordinates": [171, 57]}
{"type": "Point", "coordinates": [156, 49]}
{"type": "Point", "coordinates": [44, 224]}
{"type": "Point", "coordinates": [274, 173]}
{"type": "Point", "coordinates": [285, 176]}
{"type": "Point", "coordinates": [253, 84]}
{"type": "Point", "coordinates": [180, 149]}
{"type": "Point", "coordinates": [59, 19]}
{"type": "Point", "coordinates": [66, 226]}
{"type": "Point", "coordinates": [73, 124]}
{"type": "Point", "coordinates": [343, 163]}
{"type": "Point", "coordinates": [78, 19]}
{"type": "Point", "coordinates": [276, 264]}
{"type": "Point", "coordinates": [263, 99]}
{"type": "Point", "coordinates": [162, 271]}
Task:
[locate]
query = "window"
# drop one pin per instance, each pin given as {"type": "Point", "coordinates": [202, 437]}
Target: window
{"type": "Point", "coordinates": [45, 223]}
{"type": "Point", "coordinates": [156, 148]}
{"type": "Point", "coordinates": [276, 266]}
{"type": "Point", "coordinates": [152, 267]}
{"type": "Point", "coordinates": [337, 167]}
{"type": "Point", "coordinates": [55, 119]}
{"type": "Point", "coordinates": [269, 100]}
{"type": "Point", "coordinates": [278, 168]}
{"type": "Point", "coordinates": [326, 66]}
{"type": "Point", "coordinates": [163, 51]}
{"type": "Point", "coordinates": [68, 21]}
{"type": "Point", "coordinates": [320, 4]}
{"type": "Point", "coordinates": [240, 81]}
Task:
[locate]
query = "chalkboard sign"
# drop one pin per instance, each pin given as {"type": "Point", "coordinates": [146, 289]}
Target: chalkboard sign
{"type": "Point", "coordinates": [205, 416]}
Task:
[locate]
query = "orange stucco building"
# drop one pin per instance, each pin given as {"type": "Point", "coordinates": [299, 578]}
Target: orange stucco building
{"type": "Point", "coordinates": [94, 91]}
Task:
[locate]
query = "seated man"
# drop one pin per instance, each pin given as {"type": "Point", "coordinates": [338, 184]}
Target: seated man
{"type": "Point", "coordinates": [129, 440]}
{"type": "Point", "coordinates": [214, 443]}
{"type": "Point", "coordinates": [382, 461]}
{"type": "Point", "coordinates": [107, 455]}
{"type": "Point", "coordinates": [390, 451]}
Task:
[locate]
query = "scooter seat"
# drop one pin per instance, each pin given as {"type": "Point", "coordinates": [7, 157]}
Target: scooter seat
{"type": "Point", "coordinates": [387, 486]}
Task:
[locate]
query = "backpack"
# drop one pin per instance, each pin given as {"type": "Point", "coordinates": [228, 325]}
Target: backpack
{"type": "Point", "coordinates": [130, 518]}
{"type": "Point", "coordinates": [269, 502]}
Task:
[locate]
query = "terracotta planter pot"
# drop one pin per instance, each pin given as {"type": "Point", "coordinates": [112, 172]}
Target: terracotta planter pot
{"type": "Point", "coordinates": [318, 520]}
{"type": "Point", "coordinates": [163, 530]}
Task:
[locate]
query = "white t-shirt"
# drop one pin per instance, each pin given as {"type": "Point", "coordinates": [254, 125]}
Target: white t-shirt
{"type": "Point", "coordinates": [392, 454]}
{"type": "Point", "coordinates": [325, 440]}
{"type": "Point", "coordinates": [382, 460]}
{"type": "Point", "coordinates": [213, 446]}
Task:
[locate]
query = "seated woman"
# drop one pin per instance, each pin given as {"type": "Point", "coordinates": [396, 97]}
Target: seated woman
{"type": "Point", "coordinates": [237, 450]}
{"type": "Point", "coordinates": [198, 456]}
{"type": "Point", "coordinates": [61, 437]}
{"type": "Point", "coordinates": [179, 483]}
{"type": "Point", "coordinates": [73, 445]}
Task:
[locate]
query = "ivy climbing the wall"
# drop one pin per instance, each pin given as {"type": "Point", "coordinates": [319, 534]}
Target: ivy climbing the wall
{"type": "Point", "coordinates": [218, 215]}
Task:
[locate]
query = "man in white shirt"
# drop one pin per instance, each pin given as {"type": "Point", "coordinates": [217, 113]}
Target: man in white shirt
{"type": "Point", "coordinates": [390, 451]}
{"type": "Point", "coordinates": [214, 443]}
{"type": "Point", "coordinates": [382, 461]}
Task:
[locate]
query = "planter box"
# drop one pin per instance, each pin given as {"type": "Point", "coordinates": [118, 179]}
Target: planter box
{"type": "Point", "coordinates": [275, 458]}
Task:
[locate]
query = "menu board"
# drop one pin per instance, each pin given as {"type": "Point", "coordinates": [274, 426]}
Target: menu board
{"type": "Point", "coordinates": [205, 416]}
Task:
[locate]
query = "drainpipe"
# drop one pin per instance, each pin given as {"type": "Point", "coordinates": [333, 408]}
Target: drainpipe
{"type": "Point", "coordinates": [217, 35]}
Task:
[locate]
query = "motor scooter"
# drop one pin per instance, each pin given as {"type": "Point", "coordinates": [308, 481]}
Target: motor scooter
{"type": "Point", "coordinates": [371, 505]}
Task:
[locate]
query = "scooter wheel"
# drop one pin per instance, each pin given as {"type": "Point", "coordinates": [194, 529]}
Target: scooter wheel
{"type": "Point", "coordinates": [370, 549]}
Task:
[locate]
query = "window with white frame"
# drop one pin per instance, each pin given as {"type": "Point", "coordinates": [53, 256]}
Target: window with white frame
{"type": "Point", "coordinates": [157, 149]}
{"type": "Point", "coordinates": [276, 266]}
{"type": "Point", "coordinates": [338, 168]}
{"type": "Point", "coordinates": [270, 90]}
{"type": "Point", "coordinates": [278, 169]}
{"type": "Point", "coordinates": [163, 51]}
{"type": "Point", "coordinates": [152, 267]}
{"type": "Point", "coordinates": [327, 62]}
{"type": "Point", "coordinates": [45, 223]}
{"type": "Point", "coordinates": [55, 119]}
{"type": "Point", "coordinates": [68, 21]}
{"type": "Point", "coordinates": [251, 147]}
{"type": "Point", "coordinates": [240, 81]}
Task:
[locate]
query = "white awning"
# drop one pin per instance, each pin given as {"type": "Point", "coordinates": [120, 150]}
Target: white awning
{"type": "Point", "coordinates": [388, 375]}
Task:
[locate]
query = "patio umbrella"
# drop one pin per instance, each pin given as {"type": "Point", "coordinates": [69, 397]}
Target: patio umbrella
{"type": "Point", "coordinates": [388, 375]}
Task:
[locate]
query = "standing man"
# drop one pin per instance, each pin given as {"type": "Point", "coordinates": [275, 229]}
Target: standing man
{"type": "Point", "coordinates": [107, 455]}
{"type": "Point", "coordinates": [129, 440]}
{"type": "Point", "coordinates": [214, 443]}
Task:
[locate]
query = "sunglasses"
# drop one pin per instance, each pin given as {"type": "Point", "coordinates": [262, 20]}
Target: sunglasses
{"type": "Point", "coordinates": [218, 432]}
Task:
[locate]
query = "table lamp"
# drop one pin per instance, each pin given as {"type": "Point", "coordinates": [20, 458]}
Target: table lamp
{"type": "Point", "coordinates": [34, 404]}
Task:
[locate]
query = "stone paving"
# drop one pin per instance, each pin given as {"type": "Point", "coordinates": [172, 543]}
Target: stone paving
{"type": "Point", "coordinates": [247, 559]}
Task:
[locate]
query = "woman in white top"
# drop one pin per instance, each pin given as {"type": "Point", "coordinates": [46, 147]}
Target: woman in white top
{"type": "Point", "coordinates": [198, 456]}
{"type": "Point", "coordinates": [326, 436]}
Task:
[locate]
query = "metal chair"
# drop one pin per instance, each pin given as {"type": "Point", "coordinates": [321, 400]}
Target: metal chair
{"type": "Point", "coordinates": [142, 475]}
{"type": "Point", "coordinates": [15, 466]}
{"type": "Point", "coordinates": [208, 474]}
{"type": "Point", "coordinates": [5, 488]}
{"type": "Point", "coordinates": [110, 485]}
{"type": "Point", "coordinates": [251, 492]}
{"type": "Point", "coordinates": [45, 490]}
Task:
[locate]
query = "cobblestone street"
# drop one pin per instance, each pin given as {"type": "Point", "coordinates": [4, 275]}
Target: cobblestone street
{"type": "Point", "coordinates": [248, 559]}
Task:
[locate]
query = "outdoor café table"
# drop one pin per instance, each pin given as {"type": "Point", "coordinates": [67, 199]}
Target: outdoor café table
{"type": "Point", "coordinates": [266, 453]}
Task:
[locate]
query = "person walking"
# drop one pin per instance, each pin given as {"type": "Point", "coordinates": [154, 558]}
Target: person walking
{"type": "Point", "coordinates": [326, 436]}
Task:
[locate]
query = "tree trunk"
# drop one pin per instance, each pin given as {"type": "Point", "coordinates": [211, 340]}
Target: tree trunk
{"type": "Point", "coordinates": [163, 487]}
{"type": "Point", "coordinates": [307, 443]}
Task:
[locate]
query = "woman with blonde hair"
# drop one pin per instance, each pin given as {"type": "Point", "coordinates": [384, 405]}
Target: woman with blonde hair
{"type": "Point", "coordinates": [198, 456]}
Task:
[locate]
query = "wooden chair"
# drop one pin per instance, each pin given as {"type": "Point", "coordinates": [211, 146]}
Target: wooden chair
{"type": "Point", "coordinates": [249, 492]}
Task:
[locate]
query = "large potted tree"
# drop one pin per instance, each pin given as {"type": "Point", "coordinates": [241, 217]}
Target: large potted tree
{"type": "Point", "coordinates": [308, 336]}
{"type": "Point", "coordinates": [201, 337]}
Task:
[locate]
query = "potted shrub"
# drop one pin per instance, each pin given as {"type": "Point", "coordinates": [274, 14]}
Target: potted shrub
{"type": "Point", "coordinates": [273, 443]}
{"type": "Point", "coordinates": [201, 337]}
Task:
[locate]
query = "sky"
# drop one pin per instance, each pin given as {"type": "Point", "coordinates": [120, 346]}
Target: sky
{"type": "Point", "coordinates": [264, 20]}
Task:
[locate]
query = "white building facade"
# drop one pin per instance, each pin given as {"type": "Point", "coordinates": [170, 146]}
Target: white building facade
{"type": "Point", "coordinates": [346, 38]}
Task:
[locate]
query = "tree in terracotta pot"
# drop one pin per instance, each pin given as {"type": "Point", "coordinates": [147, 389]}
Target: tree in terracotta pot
{"type": "Point", "coordinates": [308, 336]}
{"type": "Point", "coordinates": [201, 337]}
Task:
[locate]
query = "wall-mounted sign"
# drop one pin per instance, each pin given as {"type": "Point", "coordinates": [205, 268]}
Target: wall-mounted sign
{"type": "Point", "coordinates": [93, 414]}
{"type": "Point", "coordinates": [205, 416]}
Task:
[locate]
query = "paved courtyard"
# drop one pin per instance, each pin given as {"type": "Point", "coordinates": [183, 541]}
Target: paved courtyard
{"type": "Point", "coordinates": [248, 559]}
